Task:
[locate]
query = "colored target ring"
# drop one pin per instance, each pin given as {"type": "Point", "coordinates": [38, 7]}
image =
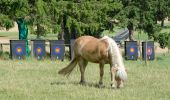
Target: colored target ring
{"type": "Point", "coordinates": [57, 50]}
{"type": "Point", "coordinates": [19, 50]}
{"type": "Point", "coordinates": [149, 51]}
{"type": "Point", "coordinates": [132, 50]}
{"type": "Point", "coordinates": [39, 50]}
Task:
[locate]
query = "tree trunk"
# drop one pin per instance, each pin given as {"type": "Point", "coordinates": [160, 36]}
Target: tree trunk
{"type": "Point", "coordinates": [61, 35]}
{"type": "Point", "coordinates": [130, 28]}
{"type": "Point", "coordinates": [131, 35]}
{"type": "Point", "coordinates": [162, 23]}
{"type": "Point", "coordinates": [38, 30]}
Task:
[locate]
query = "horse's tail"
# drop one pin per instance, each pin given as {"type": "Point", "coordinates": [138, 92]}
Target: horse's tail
{"type": "Point", "coordinates": [69, 68]}
{"type": "Point", "coordinates": [122, 74]}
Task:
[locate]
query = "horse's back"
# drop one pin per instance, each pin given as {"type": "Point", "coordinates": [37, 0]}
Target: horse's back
{"type": "Point", "coordinates": [91, 49]}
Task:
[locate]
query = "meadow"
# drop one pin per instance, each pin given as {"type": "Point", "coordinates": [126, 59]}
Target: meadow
{"type": "Point", "coordinates": [38, 80]}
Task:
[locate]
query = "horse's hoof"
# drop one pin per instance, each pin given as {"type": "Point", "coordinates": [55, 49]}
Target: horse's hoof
{"type": "Point", "coordinates": [121, 86]}
{"type": "Point", "coordinates": [101, 86]}
{"type": "Point", "coordinates": [113, 86]}
{"type": "Point", "coordinates": [82, 83]}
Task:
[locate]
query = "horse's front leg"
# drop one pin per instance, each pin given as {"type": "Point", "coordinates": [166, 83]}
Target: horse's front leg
{"type": "Point", "coordinates": [113, 73]}
{"type": "Point", "coordinates": [101, 65]}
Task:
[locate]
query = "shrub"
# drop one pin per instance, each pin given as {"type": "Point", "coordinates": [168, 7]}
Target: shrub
{"type": "Point", "coordinates": [163, 39]}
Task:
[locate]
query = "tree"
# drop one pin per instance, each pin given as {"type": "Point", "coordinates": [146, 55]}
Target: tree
{"type": "Point", "coordinates": [139, 14]}
{"type": "Point", "coordinates": [129, 15]}
{"type": "Point", "coordinates": [11, 10]}
{"type": "Point", "coordinates": [162, 10]}
{"type": "Point", "coordinates": [85, 17]}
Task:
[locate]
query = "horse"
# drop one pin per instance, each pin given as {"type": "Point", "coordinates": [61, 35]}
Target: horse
{"type": "Point", "coordinates": [102, 51]}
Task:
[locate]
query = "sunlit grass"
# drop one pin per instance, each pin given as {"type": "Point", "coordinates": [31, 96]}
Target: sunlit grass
{"type": "Point", "coordinates": [38, 80]}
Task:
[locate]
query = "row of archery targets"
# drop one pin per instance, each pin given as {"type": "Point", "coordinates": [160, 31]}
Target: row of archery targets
{"type": "Point", "coordinates": [57, 49]}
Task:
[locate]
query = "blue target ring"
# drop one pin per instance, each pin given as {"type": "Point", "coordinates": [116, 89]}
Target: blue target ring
{"type": "Point", "coordinates": [131, 50]}
{"type": "Point", "coordinates": [17, 49]}
{"type": "Point", "coordinates": [39, 49]}
{"type": "Point", "coordinates": [57, 49]}
{"type": "Point", "coordinates": [148, 50]}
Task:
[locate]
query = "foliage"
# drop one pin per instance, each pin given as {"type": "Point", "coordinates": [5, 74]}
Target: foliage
{"type": "Point", "coordinates": [84, 17]}
{"type": "Point", "coordinates": [5, 22]}
{"type": "Point", "coordinates": [163, 39]}
{"type": "Point", "coordinates": [162, 10]}
{"type": "Point", "coordinates": [168, 43]}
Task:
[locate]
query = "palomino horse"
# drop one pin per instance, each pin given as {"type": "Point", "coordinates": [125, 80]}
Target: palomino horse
{"type": "Point", "coordinates": [102, 51]}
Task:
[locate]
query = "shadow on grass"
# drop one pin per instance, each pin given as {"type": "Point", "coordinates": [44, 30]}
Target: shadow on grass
{"type": "Point", "coordinates": [87, 84]}
{"type": "Point", "coordinates": [2, 36]}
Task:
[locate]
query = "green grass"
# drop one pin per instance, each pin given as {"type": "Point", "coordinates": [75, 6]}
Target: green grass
{"type": "Point", "coordinates": [14, 35]}
{"type": "Point", "coordinates": [10, 35]}
{"type": "Point", "coordinates": [38, 80]}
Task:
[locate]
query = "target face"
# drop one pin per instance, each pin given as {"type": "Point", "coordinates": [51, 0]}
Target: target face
{"type": "Point", "coordinates": [57, 49]}
{"type": "Point", "coordinates": [131, 50]}
{"type": "Point", "coordinates": [39, 49]}
{"type": "Point", "coordinates": [148, 50]}
{"type": "Point", "coordinates": [17, 49]}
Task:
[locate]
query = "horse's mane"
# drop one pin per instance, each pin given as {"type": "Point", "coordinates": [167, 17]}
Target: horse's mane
{"type": "Point", "coordinates": [116, 57]}
{"type": "Point", "coordinates": [114, 52]}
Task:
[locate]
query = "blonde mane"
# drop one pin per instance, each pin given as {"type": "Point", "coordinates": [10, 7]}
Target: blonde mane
{"type": "Point", "coordinates": [116, 57]}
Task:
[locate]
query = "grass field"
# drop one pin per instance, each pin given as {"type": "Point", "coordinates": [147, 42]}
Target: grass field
{"type": "Point", "coordinates": [38, 80]}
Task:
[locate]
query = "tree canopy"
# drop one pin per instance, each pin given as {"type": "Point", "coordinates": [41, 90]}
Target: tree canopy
{"type": "Point", "coordinates": [84, 17]}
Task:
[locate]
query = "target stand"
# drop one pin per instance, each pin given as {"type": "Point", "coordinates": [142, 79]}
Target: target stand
{"type": "Point", "coordinates": [131, 50]}
{"type": "Point", "coordinates": [57, 49]}
{"type": "Point", "coordinates": [38, 49]}
{"type": "Point", "coordinates": [148, 50]}
{"type": "Point", "coordinates": [17, 49]}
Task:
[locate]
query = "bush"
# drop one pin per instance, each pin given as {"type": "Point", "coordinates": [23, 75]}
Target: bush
{"type": "Point", "coordinates": [163, 39]}
{"type": "Point", "coordinates": [169, 43]}
{"type": "Point", "coordinates": [4, 55]}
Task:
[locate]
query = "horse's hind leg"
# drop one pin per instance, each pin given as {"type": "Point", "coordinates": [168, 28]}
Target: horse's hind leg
{"type": "Point", "coordinates": [82, 64]}
{"type": "Point", "coordinates": [101, 65]}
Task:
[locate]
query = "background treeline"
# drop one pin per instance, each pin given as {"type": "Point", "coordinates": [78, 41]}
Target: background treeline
{"type": "Point", "coordinates": [73, 18]}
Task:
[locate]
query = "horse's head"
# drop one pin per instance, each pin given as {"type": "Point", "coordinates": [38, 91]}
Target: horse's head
{"type": "Point", "coordinates": [120, 76]}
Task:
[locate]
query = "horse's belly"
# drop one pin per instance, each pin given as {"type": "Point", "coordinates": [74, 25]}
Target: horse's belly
{"type": "Point", "coordinates": [95, 59]}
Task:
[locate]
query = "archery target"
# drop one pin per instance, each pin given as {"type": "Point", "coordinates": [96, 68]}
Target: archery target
{"type": "Point", "coordinates": [57, 49]}
{"type": "Point", "coordinates": [148, 50]}
{"type": "Point", "coordinates": [39, 49]}
{"type": "Point", "coordinates": [131, 50]}
{"type": "Point", "coordinates": [17, 49]}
